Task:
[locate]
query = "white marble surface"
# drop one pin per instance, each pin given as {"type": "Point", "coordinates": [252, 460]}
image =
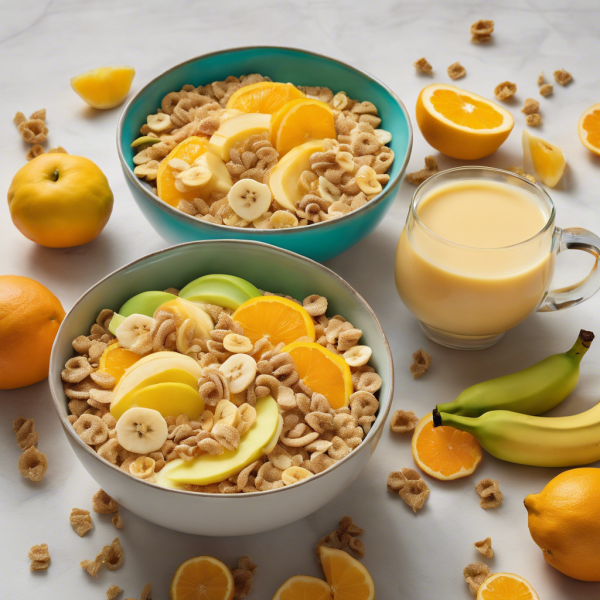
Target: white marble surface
{"type": "Point", "coordinates": [43, 44]}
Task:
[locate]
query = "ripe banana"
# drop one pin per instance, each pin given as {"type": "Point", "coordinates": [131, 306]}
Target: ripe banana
{"type": "Point", "coordinates": [141, 430]}
{"type": "Point", "coordinates": [239, 371]}
{"type": "Point", "coordinates": [533, 391]}
{"type": "Point", "coordinates": [536, 441]}
{"type": "Point", "coordinates": [133, 329]}
{"type": "Point", "coordinates": [249, 199]}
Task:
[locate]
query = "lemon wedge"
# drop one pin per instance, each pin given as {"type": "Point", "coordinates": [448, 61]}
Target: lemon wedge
{"type": "Point", "coordinates": [105, 87]}
{"type": "Point", "coordinates": [548, 160]}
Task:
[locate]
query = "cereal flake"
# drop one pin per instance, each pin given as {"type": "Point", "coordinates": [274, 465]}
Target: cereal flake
{"type": "Point", "coordinates": [117, 520]}
{"type": "Point", "coordinates": [546, 89]}
{"type": "Point", "coordinates": [530, 107]}
{"type": "Point", "coordinates": [534, 120]}
{"type": "Point", "coordinates": [403, 421]}
{"type": "Point", "coordinates": [112, 555]}
{"type": "Point", "coordinates": [409, 485]}
{"type": "Point", "coordinates": [456, 71]}
{"type": "Point", "coordinates": [346, 535]}
{"type": "Point", "coordinates": [81, 521]}
{"type": "Point", "coordinates": [243, 577]}
{"type": "Point", "coordinates": [421, 362]}
{"type": "Point", "coordinates": [33, 464]}
{"type": "Point", "coordinates": [40, 557]}
{"type": "Point", "coordinates": [489, 491]}
{"type": "Point", "coordinates": [103, 504]}
{"type": "Point", "coordinates": [485, 547]}
{"type": "Point", "coordinates": [505, 90]}
{"type": "Point", "coordinates": [563, 77]}
{"type": "Point", "coordinates": [112, 592]}
{"type": "Point", "coordinates": [481, 31]}
{"type": "Point", "coordinates": [25, 433]}
{"type": "Point", "coordinates": [475, 574]}
{"type": "Point", "coordinates": [418, 177]}
{"type": "Point", "coordinates": [91, 566]}
{"type": "Point", "coordinates": [423, 66]}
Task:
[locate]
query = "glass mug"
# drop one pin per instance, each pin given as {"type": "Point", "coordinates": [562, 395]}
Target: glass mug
{"type": "Point", "coordinates": [493, 289]}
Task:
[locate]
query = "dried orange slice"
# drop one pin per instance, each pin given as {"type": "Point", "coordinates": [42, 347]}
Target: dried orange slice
{"type": "Point", "coordinates": [506, 586]}
{"type": "Point", "coordinates": [278, 319]}
{"type": "Point", "coordinates": [303, 587]}
{"type": "Point", "coordinates": [444, 452]}
{"type": "Point", "coordinates": [461, 124]}
{"type": "Point", "coordinates": [202, 578]}
{"type": "Point", "coordinates": [348, 578]}
{"type": "Point", "coordinates": [263, 97]}
{"type": "Point", "coordinates": [300, 121]}
{"type": "Point", "coordinates": [189, 150]}
{"type": "Point", "coordinates": [115, 360]}
{"type": "Point", "coordinates": [589, 129]}
{"type": "Point", "coordinates": [105, 87]}
{"type": "Point", "coordinates": [323, 371]}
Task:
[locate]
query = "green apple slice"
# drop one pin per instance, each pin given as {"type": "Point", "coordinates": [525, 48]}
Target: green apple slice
{"type": "Point", "coordinates": [207, 469]}
{"type": "Point", "coordinates": [222, 290]}
{"type": "Point", "coordinates": [116, 320]}
{"type": "Point", "coordinates": [145, 303]}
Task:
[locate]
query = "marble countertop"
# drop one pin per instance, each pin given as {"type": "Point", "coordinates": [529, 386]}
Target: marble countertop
{"type": "Point", "coordinates": [43, 43]}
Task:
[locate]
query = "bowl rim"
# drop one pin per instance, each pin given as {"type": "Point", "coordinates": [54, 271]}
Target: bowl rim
{"type": "Point", "coordinates": [185, 218]}
{"type": "Point", "coordinates": [58, 395]}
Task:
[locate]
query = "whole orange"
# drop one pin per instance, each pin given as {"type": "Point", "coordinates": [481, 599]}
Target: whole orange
{"type": "Point", "coordinates": [564, 523]}
{"type": "Point", "coordinates": [60, 200]}
{"type": "Point", "coordinates": [30, 315]}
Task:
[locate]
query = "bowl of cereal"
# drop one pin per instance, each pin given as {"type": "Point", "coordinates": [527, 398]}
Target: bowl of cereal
{"type": "Point", "coordinates": [223, 146]}
{"type": "Point", "coordinates": [229, 378]}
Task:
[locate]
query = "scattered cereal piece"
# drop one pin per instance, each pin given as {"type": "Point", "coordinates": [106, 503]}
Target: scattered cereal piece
{"type": "Point", "coordinates": [546, 89]}
{"type": "Point", "coordinates": [489, 491]}
{"type": "Point", "coordinates": [485, 547]}
{"type": "Point", "coordinates": [81, 521]}
{"type": "Point", "coordinates": [112, 555]}
{"type": "Point", "coordinates": [19, 118]}
{"type": "Point", "coordinates": [563, 77]}
{"type": "Point", "coordinates": [431, 168]}
{"type": "Point", "coordinates": [117, 520]}
{"type": "Point", "coordinates": [541, 79]}
{"type": "Point", "coordinates": [475, 574]}
{"type": "Point", "coordinates": [423, 66]}
{"type": "Point", "coordinates": [409, 485]}
{"type": "Point", "coordinates": [33, 464]}
{"type": "Point", "coordinates": [38, 114]}
{"type": "Point", "coordinates": [91, 566]}
{"type": "Point", "coordinates": [33, 131]}
{"type": "Point", "coordinates": [25, 432]}
{"type": "Point", "coordinates": [534, 120]}
{"type": "Point", "coordinates": [346, 535]}
{"type": "Point", "coordinates": [40, 557]}
{"type": "Point", "coordinates": [421, 362]}
{"type": "Point", "coordinates": [34, 152]}
{"type": "Point", "coordinates": [505, 90]}
{"type": "Point", "coordinates": [112, 592]}
{"type": "Point", "coordinates": [57, 150]}
{"type": "Point", "coordinates": [481, 31]}
{"type": "Point", "coordinates": [456, 71]}
{"type": "Point", "coordinates": [243, 577]}
{"type": "Point", "coordinates": [403, 421]}
{"type": "Point", "coordinates": [103, 504]}
{"type": "Point", "coordinates": [147, 592]}
{"type": "Point", "coordinates": [530, 107]}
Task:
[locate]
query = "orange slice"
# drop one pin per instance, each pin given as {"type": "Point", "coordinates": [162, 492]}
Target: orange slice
{"type": "Point", "coordinates": [105, 87]}
{"type": "Point", "coordinates": [115, 360]}
{"type": "Point", "coordinates": [323, 371]}
{"type": "Point", "coordinates": [300, 121]}
{"type": "Point", "coordinates": [589, 129]}
{"type": "Point", "coordinates": [444, 452]}
{"type": "Point", "coordinates": [461, 124]}
{"type": "Point", "coordinates": [202, 578]}
{"type": "Point", "coordinates": [189, 150]}
{"type": "Point", "coordinates": [506, 586]}
{"type": "Point", "coordinates": [349, 579]}
{"type": "Point", "coordinates": [277, 319]}
{"type": "Point", "coordinates": [264, 97]}
{"type": "Point", "coordinates": [302, 587]}
{"type": "Point", "coordinates": [545, 159]}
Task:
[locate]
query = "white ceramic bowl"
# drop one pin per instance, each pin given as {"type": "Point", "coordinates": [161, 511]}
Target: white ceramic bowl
{"type": "Point", "coordinates": [268, 268]}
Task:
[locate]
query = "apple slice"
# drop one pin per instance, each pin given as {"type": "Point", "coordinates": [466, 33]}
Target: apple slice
{"type": "Point", "coordinates": [286, 173]}
{"type": "Point", "coordinates": [188, 310]}
{"type": "Point", "coordinates": [207, 469]}
{"type": "Point", "coordinates": [145, 303]}
{"type": "Point", "coordinates": [237, 129]}
{"type": "Point", "coordinates": [222, 290]}
{"type": "Point", "coordinates": [170, 399]}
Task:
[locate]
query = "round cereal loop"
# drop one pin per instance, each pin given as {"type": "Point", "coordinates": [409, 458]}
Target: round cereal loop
{"type": "Point", "coordinates": [268, 478]}
{"type": "Point", "coordinates": [363, 404]}
{"type": "Point", "coordinates": [112, 556]}
{"type": "Point", "coordinates": [91, 429]}
{"type": "Point", "coordinates": [365, 143]}
{"type": "Point", "coordinates": [170, 101]}
{"type": "Point", "coordinates": [338, 449]}
{"type": "Point", "coordinates": [33, 464]}
{"type": "Point", "coordinates": [320, 421]}
{"type": "Point", "coordinates": [315, 305]}
{"type": "Point", "coordinates": [76, 369]}
{"type": "Point", "coordinates": [320, 463]}
{"type": "Point", "coordinates": [403, 421]}
{"type": "Point", "coordinates": [110, 450]}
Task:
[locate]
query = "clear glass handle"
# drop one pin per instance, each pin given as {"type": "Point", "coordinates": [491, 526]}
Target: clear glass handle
{"type": "Point", "coordinates": [575, 238]}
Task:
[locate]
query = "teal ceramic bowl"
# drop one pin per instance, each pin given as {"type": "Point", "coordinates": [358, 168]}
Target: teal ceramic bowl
{"type": "Point", "coordinates": [320, 241]}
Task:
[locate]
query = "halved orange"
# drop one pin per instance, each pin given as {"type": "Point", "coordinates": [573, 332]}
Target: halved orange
{"type": "Point", "coordinates": [263, 97]}
{"type": "Point", "coordinates": [189, 150]}
{"type": "Point", "coordinates": [116, 359]}
{"type": "Point", "coordinates": [589, 129]}
{"type": "Point", "coordinates": [444, 452]}
{"type": "Point", "coordinates": [202, 578]}
{"type": "Point", "coordinates": [303, 587]}
{"type": "Point", "coordinates": [104, 87]}
{"type": "Point", "coordinates": [461, 124]}
{"type": "Point", "coordinates": [278, 319]}
{"type": "Point", "coordinates": [300, 121]}
{"type": "Point", "coordinates": [323, 371]}
{"type": "Point", "coordinates": [348, 578]}
{"type": "Point", "coordinates": [506, 586]}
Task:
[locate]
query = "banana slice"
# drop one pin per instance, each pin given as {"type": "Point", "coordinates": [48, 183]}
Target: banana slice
{"type": "Point", "coordinates": [195, 177]}
{"type": "Point", "coordinates": [385, 137]}
{"type": "Point", "coordinates": [366, 179]}
{"type": "Point", "coordinates": [239, 371]}
{"type": "Point", "coordinates": [238, 344]}
{"type": "Point", "coordinates": [132, 328]}
{"type": "Point", "coordinates": [345, 160]}
{"type": "Point", "coordinates": [220, 180]}
{"type": "Point", "coordinates": [328, 190]}
{"type": "Point", "coordinates": [227, 412]}
{"type": "Point", "coordinates": [357, 356]}
{"type": "Point", "coordinates": [159, 122]}
{"type": "Point", "coordinates": [294, 475]}
{"type": "Point", "coordinates": [249, 199]}
{"type": "Point", "coordinates": [142, 430]}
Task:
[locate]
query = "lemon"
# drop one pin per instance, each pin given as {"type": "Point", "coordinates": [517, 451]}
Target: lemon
{"type": "Point", "coordinates": [105, 87]}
